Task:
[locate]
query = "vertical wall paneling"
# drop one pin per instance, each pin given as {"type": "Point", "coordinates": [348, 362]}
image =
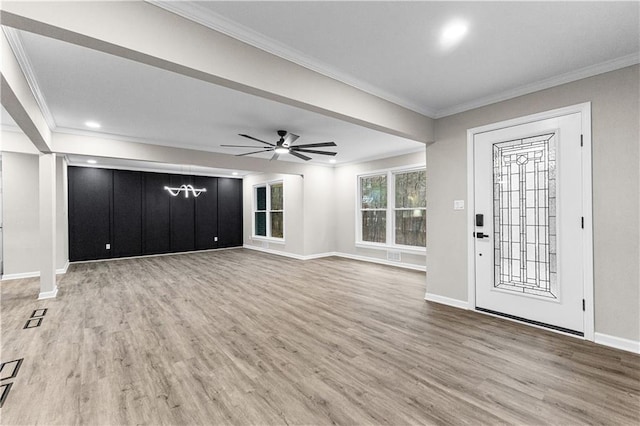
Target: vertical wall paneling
{"type": "Point", "coordinates": [90, 192]}
{"type": "Point", "coordinates": [127, 213]}
{"type": "Point", "coordinates": [206, 213]}
{"type": "Point", "coordinates": [134, 213]}
{"type": "Point", "coordinates": [156, 215]}
{"type": "Point", "coordinates": [229, 212]}
{"type": "Point", "coordinates": [182, 209]}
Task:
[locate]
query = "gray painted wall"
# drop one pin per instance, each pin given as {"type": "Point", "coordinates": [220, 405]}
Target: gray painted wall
{"type": "Point", "coordinates": [616, 191]}
{"type": "Point", "coordinates": [320, 210]}
{"type": "Point", "coordinates": [345, 206]}
{"type": "Point", "coordinates": [293, 212]}
{"type": "Point", "coordinates": [20, 205]}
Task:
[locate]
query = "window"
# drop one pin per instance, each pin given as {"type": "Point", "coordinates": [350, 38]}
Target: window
{"type": "Point", "coordinates": [397, 198]}
{"type": "Point", "coordinates": [410, 208]}
{"type": "Point", "coordinates": [374, 208]}
{"type": "Point", "coordinates": [269, 210]}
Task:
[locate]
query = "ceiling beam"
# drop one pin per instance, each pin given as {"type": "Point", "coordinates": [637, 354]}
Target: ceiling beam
{"type": "Point", "coordinates": [18, 100]}
{"type": "Point", "coordinates": [71, 144]}
{"type": "Point", "coordinates": [151, 35]}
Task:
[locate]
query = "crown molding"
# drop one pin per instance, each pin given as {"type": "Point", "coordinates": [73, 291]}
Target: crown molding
{"type": "Point", "coordinates": [579, 74]}
{"type": "Point", "coordinates": [15, 42]}
{"type": "Point", "coordinates": [203, 16]}
{"type": "Point", "coordinates": [382, 156]}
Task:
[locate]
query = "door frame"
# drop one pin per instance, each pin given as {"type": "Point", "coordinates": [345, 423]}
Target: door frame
{"type": "Point", "coordinates": [587, 204]}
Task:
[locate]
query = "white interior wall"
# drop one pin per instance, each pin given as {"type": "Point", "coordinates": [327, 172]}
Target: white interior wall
{"type": "Point", "coordinates": [62, 217]}
{"type": "Point", "coordinates": [21, 233]}
{"type": "Point", "coordinates": [318, 213]}
{"type": "Point", "coordinates": [345, 190]}
{"type": "Point", "coordinates": [293, 213]}
{"type": "Point", "coordinates": [20, 205]}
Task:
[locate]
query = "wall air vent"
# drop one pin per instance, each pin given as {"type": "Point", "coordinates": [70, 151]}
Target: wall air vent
{"type": "Point", "coordinates": [394, 256]}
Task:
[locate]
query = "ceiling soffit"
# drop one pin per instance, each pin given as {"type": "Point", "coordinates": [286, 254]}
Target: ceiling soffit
{"type": "Point", "coordinates": [125, 28]}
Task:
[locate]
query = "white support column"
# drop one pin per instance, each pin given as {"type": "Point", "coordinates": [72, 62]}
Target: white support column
{"type": "Point", "coordinates": [47, 209]}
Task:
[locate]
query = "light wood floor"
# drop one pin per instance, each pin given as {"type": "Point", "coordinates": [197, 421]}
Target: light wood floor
{"type": "Point", "coordinates": [240, 337]}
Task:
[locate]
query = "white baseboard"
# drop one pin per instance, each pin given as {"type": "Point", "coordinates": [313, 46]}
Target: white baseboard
{"type": "Point", "coordinates": [599, 338]}
{"type": "Point", "coordinates": [36, 274]}
{"type": "Point", "coordinates": [617, 342]}
{"type": "Point", "coordinates": [413, 267]}
{"type": "Point", "coordinates": [462, 304]}
{"type": "Point", "coordinates": [19, 276]}
{"type": "Point", "coordinates": [48, 294]}
{"type": "Point", "coordinates": [64, 269]}
{"type": "Point", "coordinates": [276, 252]}
{"type": "Point", "coordinates": [337, 254]}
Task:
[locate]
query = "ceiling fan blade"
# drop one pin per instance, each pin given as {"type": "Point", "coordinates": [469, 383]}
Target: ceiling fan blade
{"type": "Point", "coordinates": [275, 156]}
{"type": "Point", "coordinates": [310, 151]}
{"type": "Point", "coordinates": [255, 139]}
{"type": "Point", "coordinates": [316, 145]}
{"type": "Point", "coordinates": [255, 152]}
{"type": "Point", "coordinates": [243, 146]}
{"type": "Point", "coordinates": [290, 139]}
{"type": "Point", "coordinates": [297, 154]}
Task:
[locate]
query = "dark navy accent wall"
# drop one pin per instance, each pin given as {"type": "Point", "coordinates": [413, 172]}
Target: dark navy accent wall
{"type": "Point", "coordinates": [133, 213]}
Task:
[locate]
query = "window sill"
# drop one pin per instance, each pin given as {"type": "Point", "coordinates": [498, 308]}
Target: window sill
{"type": "Point", "coordinates": [402, 249]}
{"type": "Point", "coordinates": [268, 239]}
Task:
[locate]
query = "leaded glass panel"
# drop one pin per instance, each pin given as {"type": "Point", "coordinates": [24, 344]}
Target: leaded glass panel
{"type": "Point", "coordinates": [525, 234]}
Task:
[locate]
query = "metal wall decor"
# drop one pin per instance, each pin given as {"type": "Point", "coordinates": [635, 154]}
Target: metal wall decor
{"type": "Point", "coordinates": [186, 189]}
{"type": "Point", "coordinates": [524, 202]}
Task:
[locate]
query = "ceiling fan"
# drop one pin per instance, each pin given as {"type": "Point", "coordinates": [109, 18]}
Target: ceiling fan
{"type": "Point", "coordinates": [284, 146]}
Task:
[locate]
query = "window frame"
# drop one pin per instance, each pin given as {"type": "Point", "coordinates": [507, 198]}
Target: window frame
{"type": "Point", "coordinates": [267, 185]}
{"type": "Point", "coordinates": [391, 209]}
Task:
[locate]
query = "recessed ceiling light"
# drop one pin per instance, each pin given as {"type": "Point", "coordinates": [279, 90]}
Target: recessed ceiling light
{"type": "Point", "coordinates": [235, 173]}
{"type": "Point", "coordinates": [92, 124]}
{"type": "Point", "coordinates": [91, 161]}
{"type": "Point", "coordinates": [332, 161]}
{"type": "Point", "coordinates": [453, 33]}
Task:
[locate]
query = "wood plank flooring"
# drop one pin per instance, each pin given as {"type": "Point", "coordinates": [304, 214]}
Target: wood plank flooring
{"type": "Point", "coordinates": [240, 337]}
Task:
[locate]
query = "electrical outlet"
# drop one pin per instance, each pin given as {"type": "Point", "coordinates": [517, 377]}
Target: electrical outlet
{"type": "Point", "coordinates": [215, 239]}
{"type": "Point", "coordinates": [108, 247]}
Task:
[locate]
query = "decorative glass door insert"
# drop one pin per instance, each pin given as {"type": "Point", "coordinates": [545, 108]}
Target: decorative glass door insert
{"type": "Point", "coordinates": [524, 203]}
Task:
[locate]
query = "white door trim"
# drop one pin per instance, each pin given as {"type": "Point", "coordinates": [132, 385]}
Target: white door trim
{"type": "Point", "coordinates": [585, 110]}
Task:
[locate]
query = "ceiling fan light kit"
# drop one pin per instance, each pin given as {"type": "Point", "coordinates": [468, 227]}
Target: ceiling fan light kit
{"type": "Point", "coordinates": [284, 146]}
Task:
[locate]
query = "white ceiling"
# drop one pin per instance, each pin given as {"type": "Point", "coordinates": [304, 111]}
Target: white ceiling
{"type": "Point", "coordinates": [391, 48]}
{"type": "Point", "coordinates": [138, 102]}
{"type": "Point", "coordinates": [387, 48]}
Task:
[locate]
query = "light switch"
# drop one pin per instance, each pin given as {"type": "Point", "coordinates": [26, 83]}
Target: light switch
{"type": "Point", "coordinates": [108, 247]}
{"type": "Point", "coordinates": [215, 239]}
{"type": "Point", "coordinates": [458, 204]}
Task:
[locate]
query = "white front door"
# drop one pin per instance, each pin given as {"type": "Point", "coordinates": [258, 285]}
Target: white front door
{"type": "Point", "coordinates": [529, 222]}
